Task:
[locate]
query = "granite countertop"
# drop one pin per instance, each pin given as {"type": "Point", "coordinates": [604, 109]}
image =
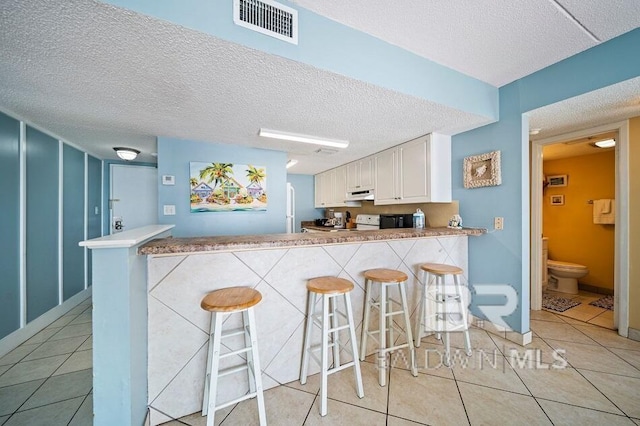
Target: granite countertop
{"type": "Point", "coordinates": [247, 242]}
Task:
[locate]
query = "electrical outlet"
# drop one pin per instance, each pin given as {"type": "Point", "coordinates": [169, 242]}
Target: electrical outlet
{"type": "Point", "coordinates": [169, 210]}
{"type": "Point", "coordinates": [498, 223]}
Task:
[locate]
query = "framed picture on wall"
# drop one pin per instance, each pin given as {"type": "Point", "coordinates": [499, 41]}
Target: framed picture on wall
{"type": "Point", "coordinates": [482, 170]}
{"type": "Point", "coordinates": [557, 180]}
{"type": "Point", "coordinates": [227, 187]}
{"type": "Point", "coordinates": [557, 200]}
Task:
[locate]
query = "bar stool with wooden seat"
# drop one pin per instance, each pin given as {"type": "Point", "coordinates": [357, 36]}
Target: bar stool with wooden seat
{"type": "Point", "coordinates": [222, 303]}
{"type": "Point", "coordinates": [386, 278]}
{"type": "Point", "coordinates": [328, 289]}
{"type": "Point", "coordinates": [438, 300]}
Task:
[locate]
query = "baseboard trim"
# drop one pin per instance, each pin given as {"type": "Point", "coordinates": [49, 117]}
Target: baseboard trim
{"type": "Point", "coordinates": [521, 339]}
{"type": "Point", "coordinates": [18, 337]}
{"type": "Point", "coordinates": [634, 334]}
{"type": "Point", "coordinates": [594, 289]}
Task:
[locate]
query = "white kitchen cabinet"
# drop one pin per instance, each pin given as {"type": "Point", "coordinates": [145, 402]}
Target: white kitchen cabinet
{"type": "Point", "coordinates": [331, 188]}
{"type": "Point", "coordinates": [418, 171]}
{"type": "Point", "coordinates": [360, 175]}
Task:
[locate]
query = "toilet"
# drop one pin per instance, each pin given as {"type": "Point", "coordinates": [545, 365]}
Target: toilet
{"type": "Point", "coordinates": [564, 276]}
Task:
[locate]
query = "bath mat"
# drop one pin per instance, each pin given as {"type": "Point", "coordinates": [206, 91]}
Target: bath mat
{"type": "Point", "coordinates": [604, 302]}
{"type": "Point", "coordinates": [558, 304]}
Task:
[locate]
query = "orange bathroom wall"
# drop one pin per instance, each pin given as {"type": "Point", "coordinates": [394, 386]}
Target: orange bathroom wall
{"type": "Point", "coordinates": [573, 237]}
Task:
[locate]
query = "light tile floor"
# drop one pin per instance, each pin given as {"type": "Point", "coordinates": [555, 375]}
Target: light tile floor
{"type": "Point", "coordinates": [572, 373]}
{"type": "Point", "coordinates": [48, 379]}
{"type": "Point", "coordinates": [585, 312]}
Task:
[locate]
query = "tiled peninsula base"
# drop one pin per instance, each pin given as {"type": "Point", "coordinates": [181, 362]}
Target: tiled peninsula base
{"type": "Point", "coordinates": [178, 327]}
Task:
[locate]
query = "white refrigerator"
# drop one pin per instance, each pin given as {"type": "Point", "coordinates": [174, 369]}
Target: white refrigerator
{"type": "Point", "coordinates": [291, 209]}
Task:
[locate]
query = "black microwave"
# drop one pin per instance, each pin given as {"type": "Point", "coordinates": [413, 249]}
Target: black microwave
{"type": "Point", "coordinates": [396, 221]}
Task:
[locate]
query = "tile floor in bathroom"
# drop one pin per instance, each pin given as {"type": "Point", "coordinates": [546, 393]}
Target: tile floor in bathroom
{"type": "Point", "coordinates": [585, 312]}
{"type": "Point", "coordinates": [47, 381]}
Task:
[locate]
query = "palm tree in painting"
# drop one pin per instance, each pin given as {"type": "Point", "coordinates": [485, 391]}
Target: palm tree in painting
{"type": "Point", "coordinates": [193, 182]}
{"type": "Point", "coordinates": [218, 173]}
{"type": "Point", "coordinates": [255, 174]}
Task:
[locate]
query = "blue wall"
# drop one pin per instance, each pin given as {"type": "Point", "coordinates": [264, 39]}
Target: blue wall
{"type": "Point", "coordinates": [72, 221]}
{"type": "Point", "coordinates": [174, 156]}
{"type": "Point", "coordinates": [53, 217]}
{"type": "Point", "coordinates": [503, 257]}
{"type": "Point", "coordinates": [304, 198]}
{"type": "Point", "coordinates": [9, 225]}
{"type": "Point", "coordinates": [42, 222]}
{"type": "Point", "coordinates": [94, 193]}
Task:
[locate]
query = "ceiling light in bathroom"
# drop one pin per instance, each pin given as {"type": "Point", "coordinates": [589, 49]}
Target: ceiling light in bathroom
{"type": "Point", "coordinates": [607, 143]}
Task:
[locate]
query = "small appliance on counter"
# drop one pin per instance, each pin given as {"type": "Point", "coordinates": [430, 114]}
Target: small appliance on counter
{"type": "Point", "coordinates": [396, 221]}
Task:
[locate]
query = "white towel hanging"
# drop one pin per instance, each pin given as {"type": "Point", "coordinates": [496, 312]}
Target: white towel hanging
{"type": "Point", "coordinates": [604, 211]}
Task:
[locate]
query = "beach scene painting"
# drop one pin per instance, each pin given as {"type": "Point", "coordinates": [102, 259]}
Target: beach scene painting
{"type": "Point", "coordinates": [225, 187]}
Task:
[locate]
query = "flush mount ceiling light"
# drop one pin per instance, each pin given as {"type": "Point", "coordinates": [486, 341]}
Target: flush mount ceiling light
{"type": "Point", "coordinates": [126, 154]}
{"type": "Point", "coordinates": [607, 143]}
{"type": "Point", "coordinates": [277, 134]}
{"type": "Point", "coordinates": [291, 163]}
{"type": "Point", "coordinates": [534, 131]}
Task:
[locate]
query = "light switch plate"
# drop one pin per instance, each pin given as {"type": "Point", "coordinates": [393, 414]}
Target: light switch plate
{"type": "Point", "coordinates": [168, 180]}
{"type": "Point", "coordinates": [498, 223]}
{"type": "Point", "coordinates": [169, 210]}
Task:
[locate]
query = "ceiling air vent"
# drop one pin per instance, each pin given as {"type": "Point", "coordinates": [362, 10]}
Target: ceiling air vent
{"type": "Point", "coordinates": [267, 17]}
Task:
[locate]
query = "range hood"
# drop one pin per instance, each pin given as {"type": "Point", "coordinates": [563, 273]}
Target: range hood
{"type": "Point", "coordinates": [366, 194]}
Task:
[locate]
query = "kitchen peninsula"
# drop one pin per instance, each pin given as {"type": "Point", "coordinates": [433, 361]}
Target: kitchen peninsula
{"type": "Point", "coordinates": [182, 270]}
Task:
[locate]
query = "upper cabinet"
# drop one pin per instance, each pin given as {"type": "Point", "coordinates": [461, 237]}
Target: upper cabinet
{"type": "Point", "coordinates": [418, 171]}
{"type": "Point", "coordinates": [331, 188]}
{"type": "Point", "coordinates": [360, 175]}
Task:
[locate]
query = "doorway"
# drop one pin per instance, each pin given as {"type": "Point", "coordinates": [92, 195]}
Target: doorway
{"type": "Point", "coordinates": [621, 260]}
{"type": "Point", "coordinates": [133, 197]}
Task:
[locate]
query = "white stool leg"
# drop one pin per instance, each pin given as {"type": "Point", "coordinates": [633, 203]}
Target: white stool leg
{"type": "Point", "coordinates": [325, 355]}
{"type": "Point", "coordinates": [247, 343]}
{"type": "Point", "coordinates": [443, 309]}
{"type": "Point", "coordinates": [335, 335]}
{"type": "Point", "coordinates": [365, 320]}
{"type": "Point", "coordinates": [407, 327]}
{"type": "Point", "coordinates": [257, 371]}
{"type": "Point", "coordinates": [382, 355]}
{"type": "Point", "coordinates": [439, 308]}
{"type": "Point", "coordinates": [421, 311]}
{"type": "Point", "coordinates": [207, 372]}
{"type": "Point", "coordinates": [354, 346]}
{"type": "Point", "coordinates": [391, 340]}
{"type": "Point", "coordinates": [311, 302]}
{"type": "Point", "coordinates": [210, 409]}
{"type": "Point", "coordinates": [463, 313]}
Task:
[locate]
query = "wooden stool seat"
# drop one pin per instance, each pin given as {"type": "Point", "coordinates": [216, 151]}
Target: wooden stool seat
{"type": "Point", "coordinates": [441, 269]}
{"type": "Point", "coordinates": [329, 285]}
{"type": "Point", "coordinates": [231, 299]}
{"type": "Point", "coordinates": [385, 275]}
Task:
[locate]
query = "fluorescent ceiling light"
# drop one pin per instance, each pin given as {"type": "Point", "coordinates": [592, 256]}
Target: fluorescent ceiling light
{"type": "Point", "coordinates": [607, 143]}
{"type": "Point", "coordinates": [276, 134]}
{"type": "Point", "coordinates": [291, 163]}
{"type": "Point", "coordinates": [126, 154]}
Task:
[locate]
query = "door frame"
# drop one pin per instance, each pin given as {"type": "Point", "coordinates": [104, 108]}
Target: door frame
{"type": "Point", "coordinates": [621, 256]}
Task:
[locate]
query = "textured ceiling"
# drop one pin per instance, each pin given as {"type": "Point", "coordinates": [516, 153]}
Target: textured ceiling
{"type": "Point", "coordinates": [98, 76]}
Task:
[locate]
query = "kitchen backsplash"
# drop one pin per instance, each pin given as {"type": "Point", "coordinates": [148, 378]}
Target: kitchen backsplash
{"type": "Point", "coordinates": [436, 214]}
